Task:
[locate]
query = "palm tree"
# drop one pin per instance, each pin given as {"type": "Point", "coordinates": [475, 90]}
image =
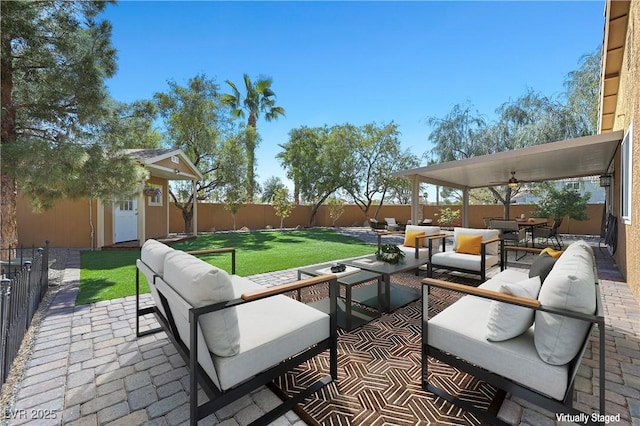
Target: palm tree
{"type": "Point", "coordinates": [259, 98]}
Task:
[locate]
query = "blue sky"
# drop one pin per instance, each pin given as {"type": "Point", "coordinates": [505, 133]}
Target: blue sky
{"type": "Point", "coordinates": [356, 62]}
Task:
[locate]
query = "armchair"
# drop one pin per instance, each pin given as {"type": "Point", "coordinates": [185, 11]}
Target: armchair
{"type": "Point", "coordinates": [488, 254]}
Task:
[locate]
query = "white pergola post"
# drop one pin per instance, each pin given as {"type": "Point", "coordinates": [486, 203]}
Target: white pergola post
{"type": "Point", "coordinates": [415, 199]}
{"type": "Point", "coordinates": [465, 207]}
{"type": "Point", "coordinates": [195, 207]}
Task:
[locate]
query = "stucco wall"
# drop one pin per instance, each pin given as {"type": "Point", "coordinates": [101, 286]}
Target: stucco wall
{"type": "Point", "coordinates": [67, 225]}
{"type": "Point", "coordinates": [628, 111]}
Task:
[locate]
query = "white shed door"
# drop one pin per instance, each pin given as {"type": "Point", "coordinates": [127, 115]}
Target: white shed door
{"type": "Point", "coordinates": [126, 221]}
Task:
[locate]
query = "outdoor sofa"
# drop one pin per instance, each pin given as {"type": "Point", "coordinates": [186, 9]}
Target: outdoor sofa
{"type": "Point", "coordinates": [416, 242]}
{"type": "Point", "coordinates": [532, 353]}
{"type": "Point", "coordinates": [233, 334]}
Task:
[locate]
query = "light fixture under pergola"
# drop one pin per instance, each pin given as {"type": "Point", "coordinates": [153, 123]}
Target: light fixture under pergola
{"type": "Point", "coordinates": [513, 182]}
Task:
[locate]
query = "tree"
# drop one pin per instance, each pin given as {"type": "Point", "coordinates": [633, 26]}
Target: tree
{"type": "Point", "coordinates": [565, 202]}
{"type": "Point", "coordinates": [195, 122]}
{"type": "Point", "coordinates": [319, 161]}
{"type": "Point", "coordinates": [55, 57]}
{"type": "Point", "coordinates": [281, 203]}
{"type": "Point", "coordinates": [271, 185]}
{"type": "Point", "coordinates": [233, 160]}
{"type": "Point", "coordinates": [583, 89]}
{"type": "Point", "coordinates": [258, 99]}
{"type": "Point", "coordinates": [336, 209]}
{"type": "Point", "coordinates": [377, 155]}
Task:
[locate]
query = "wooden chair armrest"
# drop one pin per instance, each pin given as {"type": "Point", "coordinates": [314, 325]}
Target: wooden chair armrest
{"type": "Point", "coordinates": [492, 240]}
{"type": "Point", "coordinates": [482, 292]}
{"type": "Point", "coordinates": [279, 289]}
{"type": "Point", "coordinates": [211, 251]}
{"type": "Point", "coordinates": [520, 248]}
{"type": "Point", "coordinates": [231, 250]}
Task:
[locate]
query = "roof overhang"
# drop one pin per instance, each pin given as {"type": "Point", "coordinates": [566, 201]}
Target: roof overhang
{"type": "Point", "coordinates": [615, 30]}
{"type": "Point", "coordinates": [585, 156]}
{"type": "Point", "coordinates": [153, 160]}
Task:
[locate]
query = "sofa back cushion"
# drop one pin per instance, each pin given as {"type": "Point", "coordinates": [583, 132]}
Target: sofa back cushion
{"type": "Point", "coordinates": [570, 285]}
{"type": "Point", "coordinates": [487, 234]}
{"type": "Point", "coordinates": [202, 284]}
{"type": "Point", "coordinates": [427, 230]}
{"type": "Point", "coordinates": [153, 254]}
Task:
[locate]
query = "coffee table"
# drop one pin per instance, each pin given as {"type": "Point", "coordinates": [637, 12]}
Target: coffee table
{"type": "Point", "coordinates": [394, 295]}
{"type": "Point", "coordinates": [350, 312]}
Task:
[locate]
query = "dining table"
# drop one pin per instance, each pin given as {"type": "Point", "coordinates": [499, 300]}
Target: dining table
{"type": "Point", "coordinates": [531, 223]}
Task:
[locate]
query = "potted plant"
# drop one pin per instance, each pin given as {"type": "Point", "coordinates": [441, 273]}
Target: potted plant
{"type": "Point", "coordinates": [152, 191]}
{"type": "Point", "coordinates": [389, 253]}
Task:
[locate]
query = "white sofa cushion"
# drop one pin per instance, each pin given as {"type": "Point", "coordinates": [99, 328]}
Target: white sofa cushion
{"type": "Point", "coordinates": [487, 234]}
{"type": "Point", "coordinates": [271, 330]}
{"type": "Point", "coordinates": [153, 253]}
{"type": "Point", "coordinates": [424, 250]}
{"type": "Point", "coordinates": [471, 262]}
{"type": "Point", "coordinates": [507, 321]}
{"type": "Point", "coordinates": [202, 284]}
{"type": "Point", "coordinates": [570, 285]}
{"type": "Point", "coordinates": [152, 256]}
{"type": "Point", "coordinates": [461, 330]}
{"type": "Point", "coordinates": [428, 230]}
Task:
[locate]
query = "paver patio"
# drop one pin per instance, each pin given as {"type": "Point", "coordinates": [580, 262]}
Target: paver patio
{"type": "Point", "coordinates": [87, 367]}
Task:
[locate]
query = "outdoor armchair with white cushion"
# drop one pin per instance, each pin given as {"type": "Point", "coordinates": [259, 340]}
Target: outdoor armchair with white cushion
{"type": "Point", "coordinates": [417, 237]}
{"type": "Point", "coordinates": [488, 254]}
{"type": "Point", "coordinates": [233, 334]}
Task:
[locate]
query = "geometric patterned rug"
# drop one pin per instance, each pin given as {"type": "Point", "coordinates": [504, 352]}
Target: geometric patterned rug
{"type": "Point", "coordinates": [379, 368]}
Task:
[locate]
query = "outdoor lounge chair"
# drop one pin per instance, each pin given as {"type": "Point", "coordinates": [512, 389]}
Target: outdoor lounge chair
{"type": "Point", "coordinates": [392, 225]}
{"type": "Point", "coordinates": [233, 334]}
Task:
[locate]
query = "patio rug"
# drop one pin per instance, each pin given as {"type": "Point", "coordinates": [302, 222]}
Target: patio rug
{"type": "Point", "coordinates": [379, 372]}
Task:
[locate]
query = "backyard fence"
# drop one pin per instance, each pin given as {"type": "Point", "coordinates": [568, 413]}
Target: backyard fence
{"type": "Point", "coordinates": [23, 284]}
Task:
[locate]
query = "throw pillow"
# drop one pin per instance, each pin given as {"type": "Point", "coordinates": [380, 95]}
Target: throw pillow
{"type": "Point", "coordinates": [410, 238]}
{"type": "Point", "coordinates": [508, 321]}
{"type": "Point", "coordinates": [469, 244]}
{"type": "Point", "coordinates": [542, 266]}
{"type": "Point", "coordinates": [551, 252]}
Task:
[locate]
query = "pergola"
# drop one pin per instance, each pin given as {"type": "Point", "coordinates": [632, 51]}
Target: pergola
{"type": "Point", "coordinates": [579, 157]}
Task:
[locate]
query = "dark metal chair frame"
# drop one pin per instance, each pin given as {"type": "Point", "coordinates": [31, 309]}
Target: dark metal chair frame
{"type": "Point", "coordinates": [483, 259]}
{"type": "Point", "coordinates": [197, 375]}
{"type": "Point", "coordinates": [503, 383]}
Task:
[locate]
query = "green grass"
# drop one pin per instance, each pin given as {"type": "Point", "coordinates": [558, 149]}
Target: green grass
{"type": "Point", "coordinates": [111, 274]}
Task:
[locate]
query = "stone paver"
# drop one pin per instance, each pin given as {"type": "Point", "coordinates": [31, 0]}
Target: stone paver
{"type": "Point", "coordinates": [89, 368]}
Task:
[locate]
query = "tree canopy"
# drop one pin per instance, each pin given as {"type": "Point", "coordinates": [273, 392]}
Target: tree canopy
{"type": "Point", "coordinates": [258, 99]}
{"type": "Point", "coordinates": [197, 123]}
{"type": "Point", "coordinates": [55, 57]}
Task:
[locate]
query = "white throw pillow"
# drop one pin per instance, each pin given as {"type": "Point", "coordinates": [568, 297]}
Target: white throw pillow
{"type": "Point", "coordinates": [507, 321]}
{"type": "Point", "coordinates": [202, 284]}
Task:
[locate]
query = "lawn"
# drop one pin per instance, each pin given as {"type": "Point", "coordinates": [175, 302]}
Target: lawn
{"type": "Point", "coordinates": [111, 274]}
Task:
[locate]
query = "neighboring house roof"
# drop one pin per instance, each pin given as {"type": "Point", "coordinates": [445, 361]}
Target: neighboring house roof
{"type": "Point", "coordinates": [615, 30]}
{"type": "Point", "coordinates": [160, 162]}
